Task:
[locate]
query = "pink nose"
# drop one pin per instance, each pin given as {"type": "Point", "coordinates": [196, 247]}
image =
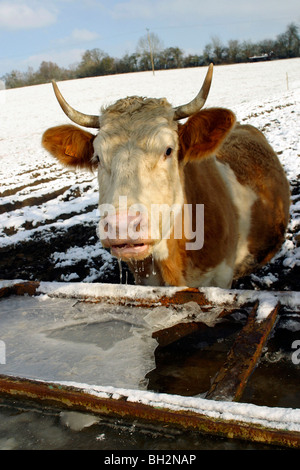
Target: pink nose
{"type": "Point", "coordinates": [123, 227]}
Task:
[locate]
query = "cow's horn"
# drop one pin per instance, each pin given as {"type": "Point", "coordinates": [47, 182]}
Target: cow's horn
{"type": "Point", "coordinates": [84, 120]}
{"type": "Point", "coordinates": [197, 103]}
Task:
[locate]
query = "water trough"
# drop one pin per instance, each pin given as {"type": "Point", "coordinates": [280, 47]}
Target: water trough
{"type": "Point", "coordinates": [94, 347]}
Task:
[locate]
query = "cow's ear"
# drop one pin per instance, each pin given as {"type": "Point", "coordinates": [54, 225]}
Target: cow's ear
{"type": "Point", "coordinates": [204, 132]}
{"type": "Point", "coordinates": [71, 145]}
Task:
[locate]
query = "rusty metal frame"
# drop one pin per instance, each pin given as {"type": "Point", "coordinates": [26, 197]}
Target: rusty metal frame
{"type": "Point", "coordinates": [72, 398]}
{"type": "Point", "coordinates": [228, 385]}
{"type": "Point", "coordinates": [242, 358]}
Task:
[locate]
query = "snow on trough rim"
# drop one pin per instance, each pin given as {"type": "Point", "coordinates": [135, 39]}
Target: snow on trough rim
{"type": "Point", "coordinates": [270, 417]}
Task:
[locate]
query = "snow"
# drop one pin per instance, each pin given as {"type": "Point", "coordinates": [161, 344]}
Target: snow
{"type": "Point", "coordinates": [115, 291]}
{"type": "Point", "coordinates": [266, 306]}
{"type": "Point", "coordinates": [267, 300]}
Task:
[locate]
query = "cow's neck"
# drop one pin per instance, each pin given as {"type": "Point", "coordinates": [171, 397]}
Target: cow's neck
{"type": "Point", "coordinates": [169, 271]}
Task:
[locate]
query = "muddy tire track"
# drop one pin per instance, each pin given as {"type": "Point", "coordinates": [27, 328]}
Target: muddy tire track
{"type": "Point", "coordinates": [32, 201]}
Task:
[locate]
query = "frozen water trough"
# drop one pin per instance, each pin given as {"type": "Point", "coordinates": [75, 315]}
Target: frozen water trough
{"type": "Point", "coordinates": [90, 347]}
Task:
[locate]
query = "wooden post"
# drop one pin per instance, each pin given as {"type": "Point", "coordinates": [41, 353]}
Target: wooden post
{"type": "Point", "coordinates": [242, 358]}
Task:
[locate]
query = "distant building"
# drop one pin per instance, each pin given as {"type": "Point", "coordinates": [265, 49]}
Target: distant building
{"type": "Point", "coordinates": [262, 57]}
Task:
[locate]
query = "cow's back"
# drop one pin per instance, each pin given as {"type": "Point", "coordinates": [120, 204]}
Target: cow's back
{"type": "Point", "coordinates": [257, 168]}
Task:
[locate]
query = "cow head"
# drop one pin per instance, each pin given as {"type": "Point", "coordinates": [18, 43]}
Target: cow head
{"type": "Point", "coordinates": [140, 152]}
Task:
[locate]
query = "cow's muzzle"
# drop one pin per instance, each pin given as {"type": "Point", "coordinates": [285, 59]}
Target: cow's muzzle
{"type": "Point", "coordinates": [126, 235]}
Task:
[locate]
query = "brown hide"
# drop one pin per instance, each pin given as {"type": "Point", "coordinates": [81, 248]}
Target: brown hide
{"type": "Point", "coordinates": [255, 164]}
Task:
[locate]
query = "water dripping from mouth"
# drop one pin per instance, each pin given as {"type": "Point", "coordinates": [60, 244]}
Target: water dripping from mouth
{"type": "Point", "coordinates": [153, 267]}
{"type": "Point", "coordinates": [136, 270]}
{"type": "Point", "coordinates": [120, 270]}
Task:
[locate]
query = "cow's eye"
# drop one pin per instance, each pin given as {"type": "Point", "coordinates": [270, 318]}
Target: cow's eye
{"type": "Point", "coordinates": [168, 151]}
{"type": "Point", "coordinates": [97, 159]}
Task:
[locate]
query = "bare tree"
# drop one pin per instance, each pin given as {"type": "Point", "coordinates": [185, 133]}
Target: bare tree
{"type": "Point", "coordinates": [218, 50]}
{"type": "Point", "coordinates": [233, 51]}
{"type": "Point", "coordinates": [148, 47]}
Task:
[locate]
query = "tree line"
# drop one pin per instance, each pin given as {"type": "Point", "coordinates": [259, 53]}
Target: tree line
{"type": "Point", "coordinates": [150, 53]}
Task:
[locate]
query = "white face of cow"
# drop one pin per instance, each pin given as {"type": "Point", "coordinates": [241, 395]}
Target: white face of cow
{"type": "Point", "coordinates": [139, 177]}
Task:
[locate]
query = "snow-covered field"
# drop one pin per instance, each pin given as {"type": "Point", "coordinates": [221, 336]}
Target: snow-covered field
{"type": "Point", "coordinates": [48, 214]}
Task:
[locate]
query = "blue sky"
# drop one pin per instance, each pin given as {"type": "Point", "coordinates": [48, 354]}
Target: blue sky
{"type": "Point", "coordinates": [61, 30]}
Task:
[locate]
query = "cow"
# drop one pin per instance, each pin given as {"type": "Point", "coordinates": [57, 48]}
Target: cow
{"type": "Point", "coordinates": [226, 175]}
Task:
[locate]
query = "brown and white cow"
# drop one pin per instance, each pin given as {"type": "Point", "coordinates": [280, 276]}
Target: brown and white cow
{"type": "Point", "coordinates": [147, 159]}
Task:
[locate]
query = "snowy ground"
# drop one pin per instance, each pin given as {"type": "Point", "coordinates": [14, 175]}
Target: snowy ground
{"type": "Point", "coordinates": [48, 215]}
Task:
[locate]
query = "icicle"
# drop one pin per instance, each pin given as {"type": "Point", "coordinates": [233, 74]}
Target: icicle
{"type": "Point", "coordinates": [136, 270]}
{"type": "Point", "coordinates": [153, 267]}
{"type": "Point", "coordinates": [120, 269]}
{"type": "Point", "coordinates": [126, 278]}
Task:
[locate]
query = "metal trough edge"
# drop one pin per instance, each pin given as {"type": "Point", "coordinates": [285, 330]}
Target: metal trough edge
{"type": "Point", "coordinates": [71, 397]}
{"type": "Point", "coordinates": [146, 296]}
